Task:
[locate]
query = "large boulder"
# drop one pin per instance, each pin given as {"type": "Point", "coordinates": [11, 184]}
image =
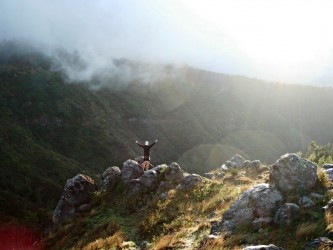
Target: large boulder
{"type": "Point", "coordinates": [287, 213]}
{"type": "Point", "coordinates": [329, 173]}
{"type": "Point", "coordinates": [236, 161]}
{"type": "Point", "coordinates": [174, 174]}
{"type": "Point", "coordinates": [293, 174]}
{"type": "Point", "coordinates": [110, 178]}
{"type": "Point", "coordinates": [75, 198]}
{"type": "Point", "coordinates": [190, 181]}
{"type": "Point", "coordinates": [261, 201]}
{"type": "Point", "coordinates": [146, 183]}
{"type": "Point", "coordinates": [131, 170]}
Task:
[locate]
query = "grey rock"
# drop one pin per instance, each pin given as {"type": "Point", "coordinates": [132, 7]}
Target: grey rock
{"type": "Point", "coordinates": [174, 174]}
{"type": "Point", "coordinates": [110, 178]}
{"type": "Point", "coordinates": [329, 173]}
{"type": "Point", "coordinates": [287, 213]}
{"type": "Point", "coordinates": [190, 181]}
{"type": "Point", "coordinates": [236, 161]}
{"type": "Point", "coordinates": [77, 192]}
{"type": "Point", "coordinates": [84, 208]}
{"type": "Point", "coordinates": [261, 223]}
{"type": "Point", "coordinates": [254, 164]}
{"type": "Point", "coordinates": [328, 166]}
{"type": "Point", "coordinates": [149, 179]}
{"type": "Point", "coordinates": [131, 170]}
{"type": "Point", "coordinates": [261, 201]}
{"type": "Point", "coordinates": [224, 168]}
{"type": "Point", "coordinates": [329, 206]}
{"type": "Point", "coordinates": [305, 202]}
{"type": "Point", "coordinates": [323, 242]}
{"type": "Point", "coordinates": [160, 168]}
{"type": "Point", "coordinates": [210, 176]}
{"type": "Point", "coordinates": [263, 247]}
{"type": "Point", "coordinates": [139, 159]}
{"type": "Point", "coordinates": [293, 174]}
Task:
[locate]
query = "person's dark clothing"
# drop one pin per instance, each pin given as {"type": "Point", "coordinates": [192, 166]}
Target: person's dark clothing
{"type": "Point", "coordinates": [146, 149]}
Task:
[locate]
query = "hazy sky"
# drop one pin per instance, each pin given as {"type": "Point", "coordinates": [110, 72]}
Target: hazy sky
{"type": "Point", "coordinates": [289, 41]}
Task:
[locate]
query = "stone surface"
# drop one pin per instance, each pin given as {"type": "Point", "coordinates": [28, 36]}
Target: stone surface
{"type": "Point", "coordinates": [75, 198]}
{"type": "Point", "coordinates": [236, 161]}
{"type": "Point", "coordinates": [287, 213]}
{"type": "Point", "coordinates": [305, 202]}
{"type": "Point", "coordinates": [131, 170]}
{"type": "Point", "coordinates": [190, 181]}
{"type": "Point", "coordinates": [261, 201]}
{"type": "Point", "coordinates": [174, 174]}
{"type": "Point", "coordinates": [328, 166]}
{"type": "Point", "coordinates": [323, 242]}
{"type": "Point", "coordinates": [210, 176]}
{"type": "Point", "coordinates": [293, 174]}
{"type": "Point", "coordinates": [110, 178]}
{"type": "Point", "coordinates": [263, 247]}
{"type": "Point", "coordinates": [261, 223]}
{"type": "Point", "coordinates": [329, 173]}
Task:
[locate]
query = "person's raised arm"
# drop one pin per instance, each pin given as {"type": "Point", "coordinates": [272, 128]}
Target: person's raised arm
{"type": "Point", "coordinates": [138, 143]}
{"type": "Point", "coordinates": [153, 143]}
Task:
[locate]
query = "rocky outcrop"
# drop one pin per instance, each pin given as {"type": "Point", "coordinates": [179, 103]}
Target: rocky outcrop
{"type": "Point", "coordinates": [131, 170]}
{"type": "Point", "coordinates": [75, 198]}
{"type": "Point", "coordinates": [293, 174]}
{"type": "Point", "coordinates": [305, 202]}
{"type": "Point", "coordinates": [174, 174]}
{"type": "Point", "coordinates": [261, 201]}
{"type": "Point", "coordinates": [287, 213]}
{"type": "Point", "coordinates": [190, 181]}
{"type": "Point", "coordinates": [238, 161]}
{"type": "Point", "coordinates": [110, 178]}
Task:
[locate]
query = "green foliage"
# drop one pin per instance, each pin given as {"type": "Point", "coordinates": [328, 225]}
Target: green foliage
{"type": "Point", "coordinates": [320, 154]}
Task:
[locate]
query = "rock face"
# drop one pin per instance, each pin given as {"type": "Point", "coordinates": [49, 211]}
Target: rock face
{"type": "Point", "coordinates": [236, 161]}
{"type": "Point", "coordinates": [258, 202]}
{"type": "Point", "coordinates": [75, 198]}
{"type": "Point", "coordinates": [131, 170]}
{"type": "Point", "coordinates": [174, 174]}
{"type": "Point", "coordinates": [110, 178]}
{"type": "Point", "coordinates": [329, 173]}
{"type": "Point", "coordinates": [293, 174]}
{"type": "Point", "coordinates": [288, 213]}
{"type": "Point", "coordinates": [190, 181]}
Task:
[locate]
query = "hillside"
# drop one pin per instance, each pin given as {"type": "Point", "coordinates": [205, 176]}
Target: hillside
{"type": "Point", "coordinates": [53, 127]}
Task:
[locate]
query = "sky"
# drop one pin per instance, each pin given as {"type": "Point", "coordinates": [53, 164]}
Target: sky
{"type": "Point", "coordinates": [286, 41]}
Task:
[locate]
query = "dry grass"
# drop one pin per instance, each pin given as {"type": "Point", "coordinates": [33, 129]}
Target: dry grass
{"type": "Point", "coordinates": [113, 242]}
{"type": "Point", "coordinates": [323, 178]}
{"type": "Point", "coordinates": [305, 230]}
{"type": "Point", "coordinates": [329, 221]}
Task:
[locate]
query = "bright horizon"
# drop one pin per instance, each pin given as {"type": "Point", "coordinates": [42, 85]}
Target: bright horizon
{"type": "Point", "coordinates": [286, 41]}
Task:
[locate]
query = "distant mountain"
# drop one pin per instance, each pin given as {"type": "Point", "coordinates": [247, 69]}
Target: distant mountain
{"type": "Point", "coordinates": [53, 127]}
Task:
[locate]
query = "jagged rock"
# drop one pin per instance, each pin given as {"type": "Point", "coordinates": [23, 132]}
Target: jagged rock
{"type": "Point", "coordinates": [254, 164]}
{"type": "Point", "coordinates": [190, 181]}
{"type": "Point", "coordinates": [174, 174]}
{"type": "Point", "coordinates": [323, 242]}
{"type": "Point", "coordinates": [210, 176]}
{"type": "Point", "coordinates": [263, 247]}
{"type": "Point", "coordinates": [149, 179]}
{"type": "Point", "coordinates": [328, 166]}
{"type": "Point", "coordinates": [160, 168]}
{"type": "Point", "coordinates": [293, 174]}
{"type": "Point", "coordinates": [236, 161]}
{"type": "Point", "coordinates": [329, 173]}
{"type": "Point", "coordinates": [224, 168]}
{"type": "Point", "coordinates": [261, 222]}
{"type": "Point", "coordinates": [287, 213]}
{"type": "Point", "coordinates": [147, 182]}
{"type": "Point", "coordinates": [131, 170]}
{"type": "Point", "coordinates": [260, 201]}
{"type": "Point", "coordinates": [110, 178]}
{"type": "Point", "coordinates": [77, 192]}
{"type": "Point", "coordinates": [305, 202]}
{"type": "Point", "coordinates": [139, 159]}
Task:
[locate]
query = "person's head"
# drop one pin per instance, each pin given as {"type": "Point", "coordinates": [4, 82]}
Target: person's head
{"type": "Point", "coordinates": [146, 143]}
